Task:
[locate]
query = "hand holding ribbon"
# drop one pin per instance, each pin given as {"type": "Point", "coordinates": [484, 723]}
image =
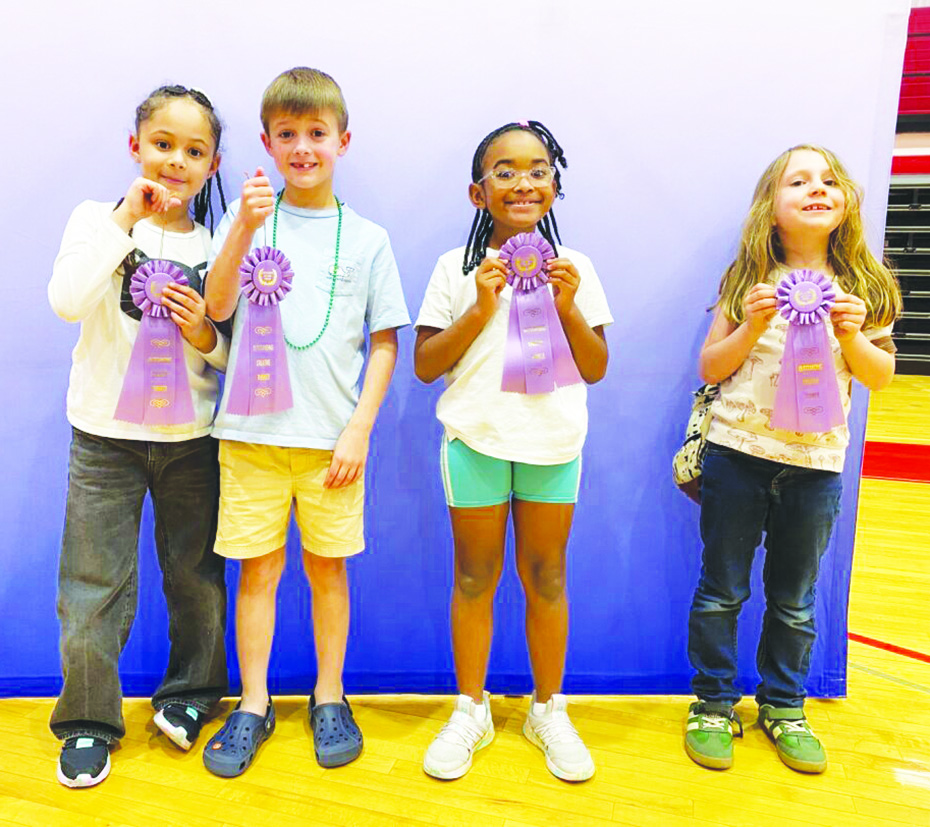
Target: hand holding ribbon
{"type": "Point", "coordinates": [808, 397]}
{"type": "Point", "coordinates": [537, 356]}
{"type": "Point", "coordinates": [257, 201]}
{"type": "Point", "coordinates": [155, 389]}
{"type": "Point", "coordinates": [490, 280]}
{"type": "Point", "coordinates": [759, 306]}
{"type": "Point", "coordinates": [188, 311]}
{"type": "Point", "coordinates": [261, 383]}
{"type": "Point", "coordinates": [565, 280]}
{"type": "Point", "coordinates": [847, 315]}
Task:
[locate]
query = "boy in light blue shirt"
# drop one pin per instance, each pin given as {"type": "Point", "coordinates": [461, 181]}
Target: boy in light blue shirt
{"type": "Point", "coordinates": [312, 453]}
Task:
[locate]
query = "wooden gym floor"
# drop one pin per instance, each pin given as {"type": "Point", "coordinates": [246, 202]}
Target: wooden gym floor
{"type": "Point", "coordinates": [878, 739]}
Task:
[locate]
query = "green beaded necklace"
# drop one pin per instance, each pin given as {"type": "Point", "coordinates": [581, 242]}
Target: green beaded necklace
{"type": "Point", "coordinates": [332, 286]}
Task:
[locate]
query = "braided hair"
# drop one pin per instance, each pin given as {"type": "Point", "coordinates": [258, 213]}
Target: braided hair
{"type": "Point", "coordinates": [481, 228]}
{"type": "Point", "coordinates": [203, 201]}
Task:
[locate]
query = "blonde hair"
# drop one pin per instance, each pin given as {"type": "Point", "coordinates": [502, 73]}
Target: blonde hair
{"type": "Point", "coordinates": [760, 251]}
{"type": "Point", "coordinates": [304, 91]}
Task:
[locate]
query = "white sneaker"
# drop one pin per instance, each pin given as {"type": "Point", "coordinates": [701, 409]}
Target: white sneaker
{"type": "Point", "coordinates": [548, 727]}
{"type": "Point", "coordinates": [470, 728]}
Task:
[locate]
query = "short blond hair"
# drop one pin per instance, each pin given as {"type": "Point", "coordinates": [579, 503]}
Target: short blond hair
{"type": "Point", "coordinates": [304, 91]}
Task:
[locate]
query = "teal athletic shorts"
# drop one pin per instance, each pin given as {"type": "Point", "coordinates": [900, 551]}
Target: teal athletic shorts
{"type": "Point", "coordinates": [473, 480]}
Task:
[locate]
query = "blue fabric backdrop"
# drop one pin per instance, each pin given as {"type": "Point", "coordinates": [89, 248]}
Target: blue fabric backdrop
{"type": "Point", "coordinates": [668, 114]}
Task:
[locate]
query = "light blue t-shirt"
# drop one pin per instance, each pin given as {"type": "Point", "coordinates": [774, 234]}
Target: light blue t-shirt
{"type": "Point", "coordinates": [325, 379]}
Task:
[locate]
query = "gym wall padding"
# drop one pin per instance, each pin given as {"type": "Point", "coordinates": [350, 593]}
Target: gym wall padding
{"type": "Point", "coordinates": [668, 113]}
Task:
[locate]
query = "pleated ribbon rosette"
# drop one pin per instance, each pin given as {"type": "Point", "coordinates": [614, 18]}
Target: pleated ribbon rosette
{"type": "Point", "coordinates": [537, 356]}
{"type": "Point", "coordinates": [155, 390]}
{"type": "Point", "coordinates": [808, 396]}
{"type": "Point", "coordinates": [261, 383]}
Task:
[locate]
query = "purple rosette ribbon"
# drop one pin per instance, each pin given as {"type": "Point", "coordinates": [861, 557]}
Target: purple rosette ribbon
{"type": "Point", "coordinates": [261, 384]}
{"type": "Point", "coordinates": [156, 391]}
{"type": "Point", "coordinates": [808, 396]}
{"type": "Point", "coordinates": [537, 356]}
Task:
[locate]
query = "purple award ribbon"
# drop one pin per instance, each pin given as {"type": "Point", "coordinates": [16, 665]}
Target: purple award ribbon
{"type": "Point", "coordinates": [156, 391]}
{"type": "Point", "coordinates": [808, 396]}
{"type": "Point", "coordinates": [537, 356]}
{"type": "Point", "coordinates": [261, 384]}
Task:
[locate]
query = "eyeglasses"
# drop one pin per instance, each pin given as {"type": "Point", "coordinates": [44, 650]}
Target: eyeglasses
{"type": "Point", "coordinates": [507, 177]}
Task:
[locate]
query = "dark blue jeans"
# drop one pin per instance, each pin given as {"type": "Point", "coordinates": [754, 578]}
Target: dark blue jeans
{"type": "Point", "coordinates": [98, 576]}
{"type": "Point", "coordinates": [742, 496]}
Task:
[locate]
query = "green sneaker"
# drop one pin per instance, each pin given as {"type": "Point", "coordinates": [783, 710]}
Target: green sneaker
{"type": "Point", "coordinates": [793, 737]}
{"type": "Point", "coordinates": [709, 737]}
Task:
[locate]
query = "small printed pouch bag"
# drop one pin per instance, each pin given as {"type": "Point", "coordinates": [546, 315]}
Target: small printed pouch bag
{"type": "Point", "coordinates": [687, 462]}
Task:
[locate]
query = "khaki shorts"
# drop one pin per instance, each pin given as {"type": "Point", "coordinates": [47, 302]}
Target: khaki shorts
{"type": "Point", "coordinates": [258, 483]}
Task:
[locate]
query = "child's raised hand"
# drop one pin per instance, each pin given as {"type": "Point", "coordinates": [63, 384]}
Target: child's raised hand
{"type": "Point", "coordinates": [565, 281]}
{"type": "Point", "coordinates": [142, 199]}
{"type": "Point", "coordinates": [759, 306]}
{"type": "Point", "coordinates": [188, 312]}
{"type": "Point", "coordinates": [257, 200]}
{"type": "Point", "coordinates": [490, 278]}
{"type": "Point", "coordinates": [847, 315]}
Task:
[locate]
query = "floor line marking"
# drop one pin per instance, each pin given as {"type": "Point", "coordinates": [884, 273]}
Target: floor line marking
{"type": "Point", "coordinates": [900, 681]}
{"type": "Point", "coordinates": [901, 461]}
{"type": "Point", "coordinates": [889, 647]}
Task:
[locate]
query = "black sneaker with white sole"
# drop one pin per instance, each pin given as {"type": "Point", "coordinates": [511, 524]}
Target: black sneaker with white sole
{"type": "Point", "coordinates": [84, 761]}
{"type": "Point", "coordinates": [180, 722]}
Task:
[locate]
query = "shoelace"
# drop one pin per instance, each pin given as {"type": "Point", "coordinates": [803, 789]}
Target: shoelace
{"type": "Point", "coordinates": [462, 730]}
{"type": "Point", "coordinates": [795, 728]}
{"type": "Point", "coordinates": [720, 722]}
{"type": "Point", "coordinates": [558, 730]}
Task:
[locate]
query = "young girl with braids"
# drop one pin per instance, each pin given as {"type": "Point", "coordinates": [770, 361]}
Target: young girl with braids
{"type": "Point", "coordinates": [114, 462]}
{"type": "Point", "coordinates": [758, 477]}
{"type": "Point", "coordinates": [506, 450]}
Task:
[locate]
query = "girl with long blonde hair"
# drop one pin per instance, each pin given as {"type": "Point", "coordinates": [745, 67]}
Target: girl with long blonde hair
{"type": "Point", "coordinates": [761, 476]}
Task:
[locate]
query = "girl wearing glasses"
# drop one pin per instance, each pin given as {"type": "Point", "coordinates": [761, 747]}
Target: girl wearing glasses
{"type": "Point", "coordinates": [121, 449]}
{"type": "Point", "coordinates": [513, 434]}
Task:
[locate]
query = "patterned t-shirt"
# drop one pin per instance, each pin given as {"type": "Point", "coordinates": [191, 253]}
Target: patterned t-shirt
{"type": "Point", "coordinates": [742, 413]}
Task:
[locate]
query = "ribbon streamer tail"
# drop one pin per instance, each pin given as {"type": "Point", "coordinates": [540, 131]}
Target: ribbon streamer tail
{"type": "Point", "coordinates": [280, 379]}
{"type": "Point", "coordinates": [156, 391]}
{"type": "Point", "coordinates": [536, 335]}
{"type": "Point", "coordinates": [785, 409]}
{"type": "Point", "coordinates": [182, 409]}
{"type": "Point", "coordinates": [132, 398]}
{"type": "Point", "coordinates": [239, 395]}
{"type": "Point", "coordinates": [514, 376]}
{"type": "Point", "coordinates": [808, 398]}
{"type": "Point", "coordinates": [566, 371]}
{"type": "Point", "coordinates": [261, 384]}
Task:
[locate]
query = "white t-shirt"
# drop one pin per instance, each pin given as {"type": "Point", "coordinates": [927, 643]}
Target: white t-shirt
{"type": "Point", "coordinates": [324, 378]}
{"type": "Point", "coordinates": [86, 287]}
{"type": "Point", "coordinates": [539, 429]}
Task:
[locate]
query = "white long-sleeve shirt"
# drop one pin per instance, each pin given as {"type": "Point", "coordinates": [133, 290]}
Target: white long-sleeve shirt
{"type": "Point", "coordinates": [87, 286]}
